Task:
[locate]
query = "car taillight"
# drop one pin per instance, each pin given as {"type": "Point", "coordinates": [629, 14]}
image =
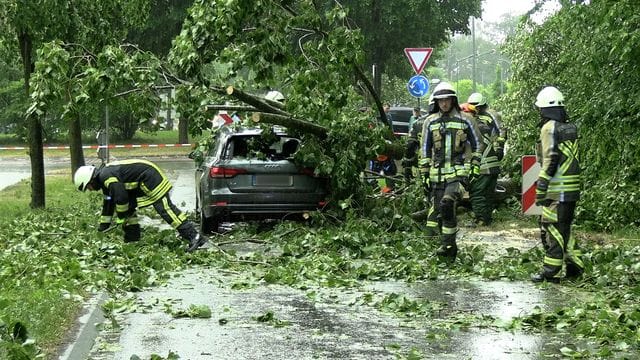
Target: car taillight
{"type": "Point", "coordinates": [225, 172]}
{"type": "Point", "coordinates": [309, 172]}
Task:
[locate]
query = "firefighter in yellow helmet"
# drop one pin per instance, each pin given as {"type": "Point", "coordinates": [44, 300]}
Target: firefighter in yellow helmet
{"type": "Point", "coordinates": [445, 166]}
{"type": "Point", "coordinates": [482, 189]}
{"type": "Point", "coordinates": [558, 187]}
{"type": "Point", "coordinates": [128, 185]}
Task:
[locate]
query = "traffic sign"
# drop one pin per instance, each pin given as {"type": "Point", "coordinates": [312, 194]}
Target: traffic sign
{"type": "Point", "coordinates": [530, 172]}
{"type": "Point", "coordinates": [418, 86]}
{"type": "Point", "coordinates": [418, 57]}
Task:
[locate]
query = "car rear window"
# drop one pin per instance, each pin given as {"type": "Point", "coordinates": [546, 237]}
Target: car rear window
{"type": "Point", "coordinates": [256, 146]}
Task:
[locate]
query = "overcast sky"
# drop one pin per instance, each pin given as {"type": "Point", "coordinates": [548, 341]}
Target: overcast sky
{"type": "Point", "coordinates": [492, 10]}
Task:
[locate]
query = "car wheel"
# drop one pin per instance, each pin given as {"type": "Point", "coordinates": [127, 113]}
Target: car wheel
{"type": "Point", "coordinates": [208, 225]}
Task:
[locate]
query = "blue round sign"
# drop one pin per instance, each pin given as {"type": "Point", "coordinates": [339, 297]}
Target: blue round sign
{"type": "Point", "coordinates": [418, 86]}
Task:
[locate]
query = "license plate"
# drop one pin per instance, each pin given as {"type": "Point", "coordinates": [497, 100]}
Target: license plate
{"type": "Point", "coordinates": [272, 180]}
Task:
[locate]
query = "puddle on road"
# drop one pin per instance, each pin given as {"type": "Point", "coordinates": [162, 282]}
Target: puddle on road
{"type": "Point", "coordinates": [333, 323]}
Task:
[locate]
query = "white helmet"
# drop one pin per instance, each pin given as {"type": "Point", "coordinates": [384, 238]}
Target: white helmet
{"type": "Point", "coordinates": [83, 177]}
{"type": "Point", "coordinates": [274, 95]}
{"type": "Point", "coordinates": [444, 90]}
{"type": "Point", "coordinates": [477, 99]}
{"type": "Point", "coordinates": [549, 97]}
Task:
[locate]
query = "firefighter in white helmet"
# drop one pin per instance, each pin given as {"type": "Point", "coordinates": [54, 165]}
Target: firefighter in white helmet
{"type": "Point", "coordinates": [558, 187]}
{"type": "Point", "coordinates": [444, 165]}
{"type": "Point", "coordinates": [482, 189]}
{"type": "Point", "coordinates": [131, 184]}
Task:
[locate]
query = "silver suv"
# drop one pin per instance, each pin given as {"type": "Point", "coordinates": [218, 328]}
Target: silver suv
{"type": "Point", "coordinates": [249, 174]}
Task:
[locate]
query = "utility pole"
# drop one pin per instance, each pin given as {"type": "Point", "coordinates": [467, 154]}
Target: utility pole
{"type": "Point", "coordinates": [473, 41]}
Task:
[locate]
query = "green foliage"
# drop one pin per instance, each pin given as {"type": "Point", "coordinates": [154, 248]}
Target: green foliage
{"type": "Point", "coordinates": [12, 102]}
{"type": "Point", "coordinates": [597, 68]}
{"type": "Point", "coordinates": [391, 26]}
{"type": "Point", "coordinates": [193, 311]}
{"type": "Point", "coordinates": [66, 260]}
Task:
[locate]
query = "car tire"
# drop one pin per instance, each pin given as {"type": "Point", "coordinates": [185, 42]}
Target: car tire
{"type": "Point", "coordinates": [208, 225]}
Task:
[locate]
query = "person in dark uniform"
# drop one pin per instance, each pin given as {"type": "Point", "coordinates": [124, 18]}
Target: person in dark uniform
{"type": "Point", "coordinates": [131, 184]}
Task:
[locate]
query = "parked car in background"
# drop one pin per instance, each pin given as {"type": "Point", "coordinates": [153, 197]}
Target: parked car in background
{"type": "Point", "coordinates": [400, 116]}
{"type": "Point", "coordinates": [250, 175]}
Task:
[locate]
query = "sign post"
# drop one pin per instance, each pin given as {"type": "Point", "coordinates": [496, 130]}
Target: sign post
{"type": "Point", "coordinates": [418, 85]}
{"type": "Point", "coordinates": [418, 57]}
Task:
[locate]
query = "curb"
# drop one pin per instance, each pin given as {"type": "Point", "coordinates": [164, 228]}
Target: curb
{"type": "Point", "coordinates": [81, 344]}
{"type": "Point", "coordinates": [126, 146]}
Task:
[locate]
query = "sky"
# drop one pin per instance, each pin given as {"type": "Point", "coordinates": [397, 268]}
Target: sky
{"type": "Point", "coordinates": [492, 10]}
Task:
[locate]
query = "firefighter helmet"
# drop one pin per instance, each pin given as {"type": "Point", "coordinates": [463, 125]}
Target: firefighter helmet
{"type": "Point", "coordinates": [444, 90]}
{"type": "Point", "coordinates": [477, 99]}
{"type": "Point", "coordinates": [83, 177]}
{"type": "Point", "coordinates": [549, 97]}
{"type": "Point", "coordinates": [274, 95]}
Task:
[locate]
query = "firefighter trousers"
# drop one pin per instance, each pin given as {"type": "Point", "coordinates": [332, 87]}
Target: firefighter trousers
{"type": "Point", "coordinates": [560, 244]}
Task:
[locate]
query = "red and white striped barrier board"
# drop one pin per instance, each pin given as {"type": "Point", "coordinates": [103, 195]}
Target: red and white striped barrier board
{"type": "Point", "coordinates": [126, 146]}
{"type": "Point", "coordinates": [530, 171]}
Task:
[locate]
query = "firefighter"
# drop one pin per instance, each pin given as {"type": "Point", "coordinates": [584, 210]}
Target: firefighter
{"type": "Point", "coordinates": [482, 189]}
{"type": "Point", "coordinates": [444, 165]}
{"type": "Point", "coordinates": [131, 184]}
{"type": "Point", "coordinates": [558, 187]}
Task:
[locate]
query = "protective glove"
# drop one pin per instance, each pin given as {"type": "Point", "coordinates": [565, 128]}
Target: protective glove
{"type": "Point", "coordinates": [426, 182]}
{"type": "Point", "coordinates": [500, 154]}
{"type": "Point", "coordinates": [424, 178]}
{"type": "Point", "coordinates": [474, 173]}
{"type": "Point", "coordinates": [103, 227]}
{"type": "Point", "coordinates": [541, 193]}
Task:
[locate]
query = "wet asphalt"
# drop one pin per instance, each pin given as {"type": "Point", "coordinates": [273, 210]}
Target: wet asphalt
{"type": "Point", "coordinates": [314, 323]}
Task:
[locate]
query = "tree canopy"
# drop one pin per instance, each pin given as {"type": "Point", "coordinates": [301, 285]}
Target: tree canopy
{"type": "Point", "coordinates": [590, 52]}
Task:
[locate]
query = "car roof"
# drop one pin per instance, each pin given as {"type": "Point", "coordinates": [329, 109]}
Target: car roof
{"type": "Point", "coordinates": [232, 130]}
{"type": "Point", "coordinates": [401, 108]}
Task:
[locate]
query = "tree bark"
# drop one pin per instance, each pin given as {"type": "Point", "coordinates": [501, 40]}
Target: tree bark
{"type": "Point", "coordinates": [75, 144]}
{"type": "Point", "coordinates": [291, 122]}
{"type": "Point", "coordinates": [34, 128]}
{"type": "Point", "coordinates": [183, 130]}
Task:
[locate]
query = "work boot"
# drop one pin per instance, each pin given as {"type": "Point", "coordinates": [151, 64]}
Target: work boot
{"type": "Point", "coordinates": [196, 242]}
{"type": "Point", "coordinates": [447, 252]}
{"type": "Point", "coordinates": [541, 277]}
{"type": "Point", "coordinates": [131, 233]}
{"type": "Point", "coordinates": [189, 232]}
{"type": "Point", "coordinates": [573, 272]}
{"type": "Point", "coordinates": [420, 215]}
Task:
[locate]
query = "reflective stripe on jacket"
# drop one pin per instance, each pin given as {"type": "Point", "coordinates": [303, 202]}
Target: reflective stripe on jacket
{"type": "Point", "coordinates": [444, 137]}
{"type": "Point", "coordinates": [122, 180]}
{"type": "Point", "coordinates": [560, 164]}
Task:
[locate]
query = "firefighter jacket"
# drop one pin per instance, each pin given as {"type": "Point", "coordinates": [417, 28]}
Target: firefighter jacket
{"type": "Point", "coordinates": [492, 142]}
{"type": "Point", "coordinates": [444, 140]}
{"type": "Point", "coordinates": [559, 177]}
{"type": "Point", "coordinates": [128, 184]}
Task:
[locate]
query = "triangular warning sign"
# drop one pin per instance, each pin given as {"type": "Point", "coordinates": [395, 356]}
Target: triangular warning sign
{"type": "Point", "coordinates": [418, 57]}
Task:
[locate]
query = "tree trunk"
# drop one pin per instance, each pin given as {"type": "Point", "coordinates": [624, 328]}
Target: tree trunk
{"type": "Point", "coordinates": [34, 128]}
{"type": "Point", "coordinates": [75, 144]}
{"type": "Point", "coordinates": [376, 59]}
{"type": "Point", "coordinates": [183, 131]}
